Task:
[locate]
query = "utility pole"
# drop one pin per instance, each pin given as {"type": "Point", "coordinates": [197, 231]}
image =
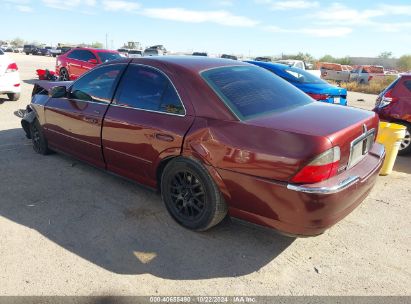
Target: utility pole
{"type": "Point", "coordinates": [106, 41]}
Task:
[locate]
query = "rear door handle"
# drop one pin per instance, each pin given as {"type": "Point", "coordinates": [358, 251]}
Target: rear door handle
{"type": "Point", "coordinates": [164, 137]}
{"type": "Point", "coordinates": [90, 120]}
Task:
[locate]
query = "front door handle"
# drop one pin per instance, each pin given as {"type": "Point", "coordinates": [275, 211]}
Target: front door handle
{"type": "Point", "coordinates": [164, 137]}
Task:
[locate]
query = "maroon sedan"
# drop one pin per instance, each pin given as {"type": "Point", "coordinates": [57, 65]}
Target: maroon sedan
{"type": "Point", "coordinates": [214, 136]}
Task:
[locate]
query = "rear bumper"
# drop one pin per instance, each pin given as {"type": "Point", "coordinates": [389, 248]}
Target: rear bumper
{"type": "Point", "coordinates": [302, 210]}
{"type": "Point", "coordinates": [8, 82]}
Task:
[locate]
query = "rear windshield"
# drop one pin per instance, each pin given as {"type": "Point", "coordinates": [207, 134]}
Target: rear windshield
{"type": "Point", "coordinates": [104, 57]}
{"type": "Point", "coordinates": [301, 76]}
{"type": "Point", "coordinates": [135, 52]}
{"type": "Point", "coordinates": [250, 91]}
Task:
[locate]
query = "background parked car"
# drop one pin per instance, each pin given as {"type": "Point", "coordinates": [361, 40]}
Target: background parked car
{"type": "Point", "coordinates": [135, 53]}
{"type": "Point", "coordinates": [77, 61]}
{"type": "Point", "coordinates": [204, 54]}
{"type": "Point", "coordinates": [232, 57]}
{"type": "Point", "coordinates": [293, 63]}
{"type": "Point", "coordinates": [335, 71]}
{"type": "Point", "coordinates": [46, 51]}
{"type": "Point", "coordinates": [363, 74]}
{"type": "Point", "coordinates": [123, 52]}
{"type": "Point", "coordinates": [9, 77]}
{"type": "Point", "coordinates": [313, 86]}
{"type": "Point", "coordinates": [394, 105]}
{"type": "Point", "coordinates": [30, 49]}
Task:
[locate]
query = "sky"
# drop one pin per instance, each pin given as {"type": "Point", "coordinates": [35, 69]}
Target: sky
{"type": "Point", "coordinates": [247, 27]}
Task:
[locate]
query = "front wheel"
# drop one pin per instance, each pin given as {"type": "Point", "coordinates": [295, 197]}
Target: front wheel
{"type": "Point", "coordinates": [191, 196]}
{"type": "Point", "coordinates": [405, 146]}
{"type": "Point", "coordinates": [64, 75]}
{"type": "Point", "coordinates": [38, 139]}
{"type": "Point", "coordinates": [13, 96]}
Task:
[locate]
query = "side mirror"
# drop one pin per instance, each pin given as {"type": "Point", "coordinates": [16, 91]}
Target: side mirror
{"type": "Point", "coordinates": [58, 92]}
{"type": "Point", "coordinates": [92, 61]}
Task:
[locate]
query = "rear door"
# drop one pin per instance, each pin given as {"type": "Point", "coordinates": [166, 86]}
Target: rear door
{"type": "Point", "coordinates": [73, 123]}
{"type": "Point", "coordinates": [146, 122]}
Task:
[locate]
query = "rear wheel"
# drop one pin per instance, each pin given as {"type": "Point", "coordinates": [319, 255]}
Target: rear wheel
{"type": "Point", "coordinates": [191, 196]}
{"type": "Point", "coordinates": [64, 75]}
{"type": "Point", "coordinates": [405, 146]}
{"type": "Point", "coordinates": [38, 139]}
{"type": "Point", "coordinates": [13, 96]}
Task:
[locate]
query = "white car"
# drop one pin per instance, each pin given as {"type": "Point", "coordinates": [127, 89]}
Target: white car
{"type": "Point", "coordinates": [135, 53]}
{"type": "Point", "coordinates": [9, 77]}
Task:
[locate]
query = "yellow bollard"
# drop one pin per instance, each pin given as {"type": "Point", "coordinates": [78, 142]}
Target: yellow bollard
{"type": "Point", "coordinates": [390, 135]}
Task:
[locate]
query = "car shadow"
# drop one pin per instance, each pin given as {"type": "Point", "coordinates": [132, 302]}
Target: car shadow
{"type": "Point", "coordinates": [403, 164]}
{"type": "Point", "coordinates": [118, 225]}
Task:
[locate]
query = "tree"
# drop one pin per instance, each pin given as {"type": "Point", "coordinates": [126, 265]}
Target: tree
{"type": "Point", "coordinates": [404, 63]}
{"type": "Point", "coordinates": [97, 45]}
{"type": "Point", "coordinates": [300, 56]}
{"type": "Point", "coordinates": [385, 55]}
{"type": "Point", "coordinates": [17, 42]}
{"type": "Point", "coordinates": [327, 58]}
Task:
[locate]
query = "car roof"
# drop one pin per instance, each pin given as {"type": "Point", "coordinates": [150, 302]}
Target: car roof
{"type": "Point", "coordinates": [95, 50]}
{"type": "Point", "coordinates": [194, 64]}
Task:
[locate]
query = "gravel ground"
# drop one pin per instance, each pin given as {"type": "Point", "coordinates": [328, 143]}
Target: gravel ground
{"type": "Point", "coordinates": [69, 229]}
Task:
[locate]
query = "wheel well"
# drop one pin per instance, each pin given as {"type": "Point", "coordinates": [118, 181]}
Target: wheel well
{"type": "Point", "coordinates": [160, 170]}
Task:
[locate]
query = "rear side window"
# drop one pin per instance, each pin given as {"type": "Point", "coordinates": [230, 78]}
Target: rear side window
{"type": "Point", "coordinates": [104, 57]}
{"type": "Point", "coordinates": [407, 84]}
{"type": "Point", "coordinates": [250, 91]}
{"type": "Point", "coordinates": [148, 89]}
{"type": "Point", "coordinates": [82, 55]}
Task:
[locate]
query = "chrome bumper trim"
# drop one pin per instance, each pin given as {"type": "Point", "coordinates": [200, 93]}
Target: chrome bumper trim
{"type": "Point", "coordinates": [325, 190]}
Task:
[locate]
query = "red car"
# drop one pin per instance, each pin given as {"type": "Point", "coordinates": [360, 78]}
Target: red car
{"type": "Point", "coordinates": [215, 136]}
{"type": "Point", "coordinates": [394, 105]}
{"type": "Point", "coordinates": [77, 61]}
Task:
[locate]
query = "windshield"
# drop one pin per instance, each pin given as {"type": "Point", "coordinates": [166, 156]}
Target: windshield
{"type": "Point", "coordinates": [104, 57]}
{"type": "Point", "coordinates": [250, 91]}
{"type": "Point", "coordinates": [301, 76]}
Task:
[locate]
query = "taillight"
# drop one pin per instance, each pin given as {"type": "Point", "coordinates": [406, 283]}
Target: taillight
{"type": "Point", "coordinates": [321, 168]}
{"type": "Point", "coordinates": [369, 78]}
{"type": "Point", "coordinates": [318, 96]}
{"type": "Point", "coordinates": [387, 98]}
{"type": "Point", "coordinates": [12, 67]}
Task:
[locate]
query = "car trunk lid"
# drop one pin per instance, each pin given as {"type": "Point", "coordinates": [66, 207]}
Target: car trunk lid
{"type": "Point", "coordinates": [341, 125]}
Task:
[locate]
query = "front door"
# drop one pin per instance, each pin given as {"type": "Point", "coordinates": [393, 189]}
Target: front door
{"type": "Point", "coordinates": [73, 123]}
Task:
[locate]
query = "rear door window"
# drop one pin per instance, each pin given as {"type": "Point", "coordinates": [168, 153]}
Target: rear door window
{"type": "Point", "coordinates": [250, 91]}
{"type": "Point", "coordinates": [407, 84]}
{"type": "Point", "coordinates": [147, 89]}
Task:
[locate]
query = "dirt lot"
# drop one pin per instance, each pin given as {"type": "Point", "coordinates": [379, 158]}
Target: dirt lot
{"type": "Point", "coordinates": [69, 229]}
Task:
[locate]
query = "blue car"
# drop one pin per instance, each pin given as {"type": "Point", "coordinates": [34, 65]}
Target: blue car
{"type": "Point", "coordinates": [308, 83]}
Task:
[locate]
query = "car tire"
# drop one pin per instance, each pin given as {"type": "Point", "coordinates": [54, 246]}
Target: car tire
{"type": "Point", "coordinates": [405, 147]}
{"type": "Point", "coordinates": [38, 139]}
{"type": "Point", "coordinates": [27, 53]}
{"type": "Point", "coordinates": [64, 74]}
{"type": "Point", "coordinates": [13, 96]}
{"type": "Point", "coordinates": [191, 196]}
